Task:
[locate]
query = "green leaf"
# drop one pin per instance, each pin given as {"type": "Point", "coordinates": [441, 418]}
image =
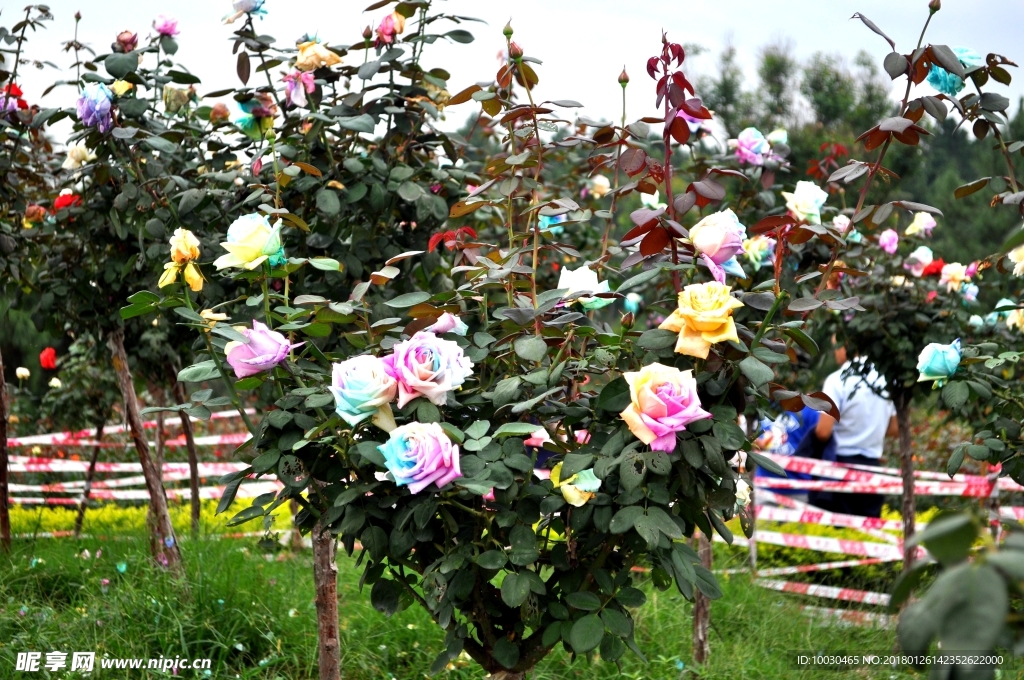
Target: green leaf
{"type": "Point", "coordinates": [325, 264]}
{"type": "Point", "coordinates": [656, 339]}
{"type": "Point", "coordinates": [948, 537]}
{"type": "Point", "coordinates": [426, 412]}
{"type": "Point", "coordinates": [506, 653]}
{"type": "Point", "coordinates": [955, 394]}
{"type": "Point", "coordinates": [531, 347]}
{"type": "Point", "coordinates": [575, 462]}
{"type": "Point", "coordinates": [707, 583]}
{"type": "Point", "coordinates": [632, 470]}
{"type": "Point", "coordinates": [639, 279]}
{"type": "Point", "coordinates": [514, 590]}
{"type": "Point", "coordinates": [756, 372]}
{"type": "Point", "coordinates": [515, 430]}
{"type": "Point", "coordinates": [362, 123]}
{"type": "Point", "coordinates": [460, 36]}
{"type": "Point", "coordinates": [190, 199]}
{"type": "Point", "coordinates": [204, 370]}
{"type": "Point", "coordinates": [370, 452]}
{"type": "Point", "coordinates": [586, 634]}
{"type": "Point", "coordinates": [119, 65]}
{"type": "Point", "coordinates": [160, 144]}
{"type": "Point", "coordinates": [492, 559]}
{"type": "Point", "coordinates": [375, 540]}
{"type": "Point", "coordinates": [614, 396]}
{"type": "Point", "coordinates": [617, 622]}
{"type": "Point", "coordinates": [584, 600]}
{"type": "Point", "coordinates": [385, 596]}
{"type": "Point", "coordinates": [663, 522]}
{"type": "Point", "coordinates": [327, 202]}
{"type": "Point", "coordinates": [409, 191]}
{"type": "Point", "coordinates": [230, 489]}
{"type": "Point", "coordinates": [648, 530]}
{"type": "Point", "coordinates": [408, 300]}
{"type": "Point", "coordinates": [623, 520]}
{"type": "Point", "coordinates": [246, 515]}
{"type": "Point", "coordinates": [767, 463]}
{"type": "Point", "coordinates": [478, 429]}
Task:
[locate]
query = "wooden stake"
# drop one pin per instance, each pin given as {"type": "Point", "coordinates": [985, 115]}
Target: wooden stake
{"type": "Point", "coordinates": [88, 481]}
{"type": "Point", "coordinates": [164, 545]}
{"type": "Point", "coordinates": [193, 457]}
{"type": "Point", "coordinates": [701, 607]}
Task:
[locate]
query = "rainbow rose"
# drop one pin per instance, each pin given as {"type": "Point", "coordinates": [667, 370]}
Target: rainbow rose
{"type": "Point", "coordinates": [806, 201]}
{"type": "Point", "coordinates": [427, 366]}
{"type": "Point", "coordinates": [419, 454]}
{"type": "Point", "coordinates": [251, 242]}
{"type": "Point", "coordinates": [938, 362]}
{"type": "Point", "coordinates": [663, 401]}
{"type": "Point", "coordinates": [362, 387]}
{"type": "Point", "coordinates": [719, 236]}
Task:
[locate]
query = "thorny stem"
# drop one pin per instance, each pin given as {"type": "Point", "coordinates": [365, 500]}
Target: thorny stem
{"type": "Point", "coordinates": [875, 168]}
{"type": "Point", "coordinates": [235, 399]}
{"type": "Point", "coordinates": [14, 73]}
{"type": "Point", "coordinates": [533, 216]}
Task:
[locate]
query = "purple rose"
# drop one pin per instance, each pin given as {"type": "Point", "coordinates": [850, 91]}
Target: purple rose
{"type": "Point", "coordinates": [265, 349]}
{"type": "Point", "coordinates": [94, 106]}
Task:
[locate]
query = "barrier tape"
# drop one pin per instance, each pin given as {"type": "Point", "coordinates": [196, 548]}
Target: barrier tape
{"type": "Point", "coordinates": [840, 546]}
{"type": "Point", "coordinates": [894, 488]}
{"type": "Point", "coordinates": [28, 464]}
{"type": "Point", "coordinates": [207, 492]}
{"type": "Point", "coordinates": [804, 568]}
{"type": "Point", "coordinates": [84, 437]}
{"type": "Point", "coordinates": [850, 472]}
{"type": "Point", "coordinates": [853, 617]}
{"type": "Point", "coordinates": [829, 592]}
{"type": "Point", "coordinates": [809, 515]}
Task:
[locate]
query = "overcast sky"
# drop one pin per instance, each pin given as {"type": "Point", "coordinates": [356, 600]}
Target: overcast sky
{"type": "Point", "coordinates": [583, 45]}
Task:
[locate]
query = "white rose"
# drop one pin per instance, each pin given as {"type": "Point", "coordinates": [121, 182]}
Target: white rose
{"type": "Point", "coordinates": [55, 383]}
{"type": "Point", "coordinates": [78, 155]}
{"type": "Point", "coordinates": [742, 492]}
{"type": "Point", "coordinates": [22, 373]}
{"type": "Point", "coordinates": [584, 280]}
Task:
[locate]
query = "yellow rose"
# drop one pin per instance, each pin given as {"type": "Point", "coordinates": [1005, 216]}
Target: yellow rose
{"type": "Point", "coordinates": [313, 55]}
{"type": "Point", "coordinates": [120, 87]}
{"type": "Point", "coordinates": [184, 246]}
{"type": "Point", "coordinates": [1016, 256]}
{"type": "Point", "coordinates": [212, 317]}
{"type": "Point", "coordinates": [193, 277]}
{"type": "Point", "coordinates": [78, 155]}
{"type": "Point", "coordinates": [703, 318]}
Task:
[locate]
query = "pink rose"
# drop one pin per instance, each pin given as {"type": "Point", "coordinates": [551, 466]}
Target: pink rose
{"type": "Point", "coordinates": [297, 85]}
{"type": "Point", "coordinates": [972, 269]}
{"type": "Point", "coordinates": [663, 401]}
{"type": "Point", "coordinates": [427, 366]}
{"type": "Point", "coordinates": [841, 223]}
{"type": "Point", "coordinates": [166, 26]}
{"type": "Point", "coordinates": [265, 349]}
{"type": "Point", "coordinates": [449, 323]}
{"type": "Point", "coordinates": [421, 454]}
{"type": "Point", "coordinates": [888, 240]}
{"type": "Point", "coordinates": [719, 236]}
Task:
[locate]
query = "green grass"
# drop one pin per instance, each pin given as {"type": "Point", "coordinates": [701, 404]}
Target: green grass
{"type": "Point", "coordinates": [253, 614]}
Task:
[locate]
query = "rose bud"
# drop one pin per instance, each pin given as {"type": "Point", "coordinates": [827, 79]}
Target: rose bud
{"type": "Point", "coordinates": [515, 51]}
{"type": "Point", "coordinates": [126, 42]}
{"type": "Point", "coordinates": [507, 31]}
{"type": "Point", "coordinates": [623, 77]}
{"type": "Point", "coordinates": [219, 113]}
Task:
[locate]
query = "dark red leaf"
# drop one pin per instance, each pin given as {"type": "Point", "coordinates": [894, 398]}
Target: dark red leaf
{"type": "Point", "coordinates": [679, 130]}
{"type": "Point", "coordinates": [652, 67]}
{"type": "Point", "coordinates": [633, 161]}
{"type": "Point", "coordinates": [654, 242]}
{"type": "Point", "coordinates": [771, 223]}
{"type": "Point", "coordinates": [242, 67]}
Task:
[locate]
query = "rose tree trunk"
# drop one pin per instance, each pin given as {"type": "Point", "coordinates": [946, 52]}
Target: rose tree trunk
{"type": "Point", "coordinates": [902, 401]}
{"type": "Point", "coordinates": [164, 544]}
{"type": "Point", "coordinates": [325, 580]}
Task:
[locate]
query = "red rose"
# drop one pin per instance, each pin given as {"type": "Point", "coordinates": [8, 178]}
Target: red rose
{"type": "Point", "coordinates": [48, 359]}
{"type": "Point", "coordinates": [934, 268]}
{"type": "Point", "coordinates": [66, 201]}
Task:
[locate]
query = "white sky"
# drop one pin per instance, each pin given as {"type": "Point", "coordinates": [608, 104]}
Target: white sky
{"type": "Point", "coordinates": [584, 45]}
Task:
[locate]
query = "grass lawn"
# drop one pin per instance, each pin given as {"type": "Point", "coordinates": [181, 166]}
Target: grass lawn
{"type": "Point", "coordinates": [252, 614]}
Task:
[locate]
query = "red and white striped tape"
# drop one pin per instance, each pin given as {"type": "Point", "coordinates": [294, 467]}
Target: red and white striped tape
{"type": "Point", "coordinates": [811, 515]}
{"type": "Point", "coordinates": [893, 488]}
{"type": "Point", "coordinates": [207, 492]}
{"type": "Point", "coordinates": [882, 551]}
{"type": "Point", "coordinates": [849, 617]}
{"type": "Point", "coordinates": [829, 592]}
{"type": "Point", "coordinates": [28, 464]}
{"type": "Point", "coordinates": [804, 568]}
{"type": "Point", "coordinates": [85, 437]}
{"type": "Point", "coordinates": [879, 475]}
